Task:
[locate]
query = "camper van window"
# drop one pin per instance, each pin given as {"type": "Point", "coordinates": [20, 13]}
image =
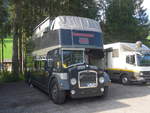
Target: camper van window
{"type": "Point", "coordinates": [143, 60]}
{"type": "Point", "coordinates": [130, 59]}
{"type": "Point", "coordinates": [115, 53]}
{"type": "Point", "coordinates": [71, 57]}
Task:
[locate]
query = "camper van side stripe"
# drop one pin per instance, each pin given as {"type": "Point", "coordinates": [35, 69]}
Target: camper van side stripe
{"type": "Point", "coordinates": [118, 69]}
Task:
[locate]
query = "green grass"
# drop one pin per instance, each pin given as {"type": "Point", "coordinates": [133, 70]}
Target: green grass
{"type": "Point", "coordinates": [8, 48]}
{"type": "Point", "coordinates": [8, 45]}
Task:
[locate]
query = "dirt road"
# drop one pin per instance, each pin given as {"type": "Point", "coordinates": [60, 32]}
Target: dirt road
{"type": "Point", "coordinates": [19, 98]}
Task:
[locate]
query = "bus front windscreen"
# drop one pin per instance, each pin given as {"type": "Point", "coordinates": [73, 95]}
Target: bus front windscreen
{"type": "Point", "coordinates": [143, 60]}
{"type": "Point", "coordinates": [71, 57]}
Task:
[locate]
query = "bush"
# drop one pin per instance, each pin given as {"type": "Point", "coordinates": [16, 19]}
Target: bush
{"type": "Point", "coordinates": [8, 77]}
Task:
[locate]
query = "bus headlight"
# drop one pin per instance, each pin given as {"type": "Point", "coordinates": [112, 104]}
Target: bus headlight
{"type": "Point", "coordinates": [73, 81]}
{"type": "Point", "coordinates": [101, 80]}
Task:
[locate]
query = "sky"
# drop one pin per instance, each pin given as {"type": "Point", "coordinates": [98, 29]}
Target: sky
{"type": "Point", "coordinates": [146, 4]}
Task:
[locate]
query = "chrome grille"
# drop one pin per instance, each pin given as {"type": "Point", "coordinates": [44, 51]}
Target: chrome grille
{"type": "Point", "coordinates": [146, 72]}
{"type": "Point", "coordinates": [87, 79]}
{"type": "Point", "coordinates": [146, 75]}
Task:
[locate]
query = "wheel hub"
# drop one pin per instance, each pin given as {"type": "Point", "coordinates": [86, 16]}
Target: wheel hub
{"type": "Point", "coordinates": [124, 80]}
{"type": "Point", "coordinates": [54, 92]}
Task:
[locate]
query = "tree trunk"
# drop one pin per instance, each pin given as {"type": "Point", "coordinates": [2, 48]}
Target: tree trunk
{"type": "Point", "coordinates": [2, 40]}
{"type": "Point", "coordinates": [20, 55]}
{"type": "Point", "coordinates": [15, 62]}
{"type": "Point", "coordinates": [16, 26]}
{"type": "Point", "coordinates": [0, 58]}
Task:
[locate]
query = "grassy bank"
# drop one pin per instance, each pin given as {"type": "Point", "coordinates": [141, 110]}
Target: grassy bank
{"type": "Point", "coordinates": [6, 77]}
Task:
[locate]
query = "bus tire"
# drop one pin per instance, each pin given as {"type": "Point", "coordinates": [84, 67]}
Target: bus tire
{"type": "Point", "coordinates": [57, 95]}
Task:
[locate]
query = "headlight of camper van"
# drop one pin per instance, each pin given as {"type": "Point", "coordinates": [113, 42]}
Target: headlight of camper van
{"type": "Point", "coordinates": [63, 76]}
{"type": "Point", "coordinates": [73, 81]}
{"type": "Point", "coordinates": [101, 80]}
{"type": "Point", "coordinates": [141, 74]}
{"type": "Point", "coordinates": [138, 75]}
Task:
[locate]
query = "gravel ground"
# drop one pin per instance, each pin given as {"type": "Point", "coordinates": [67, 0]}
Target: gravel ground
{"type": "Point", "coordinates": [19, 98]}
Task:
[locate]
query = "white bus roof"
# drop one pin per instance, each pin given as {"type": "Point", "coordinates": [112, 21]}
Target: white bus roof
{"type": "Point", "coordinates": [78, 23]}
{"type": "Point", "coordinates": [71, 22]}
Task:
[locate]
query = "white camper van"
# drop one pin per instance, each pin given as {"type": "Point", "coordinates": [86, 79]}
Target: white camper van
{"type": "Point", "coordinates": [128, 62]}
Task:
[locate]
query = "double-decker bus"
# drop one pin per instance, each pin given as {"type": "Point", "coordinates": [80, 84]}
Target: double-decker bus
{"type": "Point", "coordinates": [68, 58]}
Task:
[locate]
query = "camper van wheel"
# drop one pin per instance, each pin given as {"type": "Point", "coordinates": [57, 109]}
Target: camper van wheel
{"type": "Point", "coordinates": [125, 80]}
{"type": "Point", "coordinates": [57, 95]}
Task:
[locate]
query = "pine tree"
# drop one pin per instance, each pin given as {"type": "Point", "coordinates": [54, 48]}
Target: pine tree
{"type": "Point", "coordinates": [3, 28]}
{"type": "Point", "coordinates": [142, 18]}
{"type": "Point", "coordinates": [125, 21]}
{"type": "Point", "coordinates": [26, 14]}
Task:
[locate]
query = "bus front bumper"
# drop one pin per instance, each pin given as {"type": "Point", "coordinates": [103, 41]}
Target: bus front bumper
{"type": "Point", "coordinates": [87, 92]}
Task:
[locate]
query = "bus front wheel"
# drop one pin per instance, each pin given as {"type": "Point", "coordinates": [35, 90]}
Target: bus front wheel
{"type": "Point", "coordinates": [57, 95]}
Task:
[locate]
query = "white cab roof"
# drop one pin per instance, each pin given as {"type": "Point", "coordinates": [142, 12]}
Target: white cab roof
{"type": "Point", "coordinates": [125, 46]}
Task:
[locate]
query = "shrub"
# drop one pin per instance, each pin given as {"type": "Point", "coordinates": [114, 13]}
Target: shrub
{"type": "Point", "coordinates": [8, 77]}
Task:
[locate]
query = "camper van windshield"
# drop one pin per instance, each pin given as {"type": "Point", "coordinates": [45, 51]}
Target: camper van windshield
{"type": "Point", "coordinates": [71, 57]}
{"type": "Point", "coordinates": [143, 60]}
